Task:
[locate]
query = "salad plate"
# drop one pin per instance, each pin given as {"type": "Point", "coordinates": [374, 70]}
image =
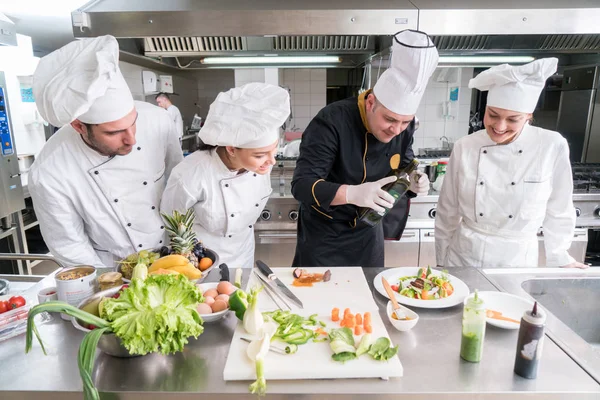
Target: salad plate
{"type": "Point", "coordinates": [423, 287]}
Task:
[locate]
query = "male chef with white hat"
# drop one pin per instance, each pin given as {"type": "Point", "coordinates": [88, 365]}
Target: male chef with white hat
{"type": "Point", "coordinates": [96, 184]}
{"type": "Point", "coordinates": [506, 181]}
{"type": "Point", "coordinates": [227, 182]}
{"type": "Point", "coordinates": [345, 157]}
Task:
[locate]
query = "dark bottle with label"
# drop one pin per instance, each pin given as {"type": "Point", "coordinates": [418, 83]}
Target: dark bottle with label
{"type": "Point", "coordinates": [397, 189]}
{"type": "Point", "coordinates": [529, 344]}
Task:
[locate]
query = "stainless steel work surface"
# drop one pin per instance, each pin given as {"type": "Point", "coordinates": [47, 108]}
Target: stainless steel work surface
{"type": "Point", "coordinates": [429, 354]}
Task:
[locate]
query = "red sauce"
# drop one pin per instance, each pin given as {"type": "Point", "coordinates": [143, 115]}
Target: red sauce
{"type": "Point", "coordinates": [307, 280]}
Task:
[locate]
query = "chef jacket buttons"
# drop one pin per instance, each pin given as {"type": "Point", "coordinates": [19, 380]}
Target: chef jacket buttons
{"type": "Point", "coordinates": [229, 235]}
{"type": "Point", "coordinates": [256, 204]}
{"type": "Point", "coordinates": [366, 158]}
{"type": "Point", "coordinates": [96, 172]}
{"type": "Point", "coordinates": [116, 200]}
{"type": "Point", "coordinates": [250, 226]}
{"type": "Point", "coordinates": [162, 227]}
{"type": "Point", "coordinates": [510, 216]}
{"type": "Point", "coordinates": [153, 207]}
{"type": "Point", "coordinates": [227, 185]}
{"type": "Point", "coordinates": [139, 148]}
{"type": "Point", "coordinates": [254, 174]}
{"type": "Point", "coordinates": [232, 215]}
{"type": "Point", "coordinates": [481, 214]}
{"type": "Point", "coordinates": [485, 152]}
{"type": "Point", "coordinates": [145, 183]}
{"type": "Point", "coordinates": [520, 151]}
{"type": "Point", "coordinates": [129, 224]}
{"type": "Point", "coordinates": [160, 241]}
{"type": "Point", "coordinates": [481, 183]}
{"type": "Point", "coordinates": [139, 245]}
{"type": "Point", "coordinates": [512, 183]}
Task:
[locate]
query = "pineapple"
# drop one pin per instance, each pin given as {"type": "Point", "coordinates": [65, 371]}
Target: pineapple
{"type": "Point", "coordinates": [183, 238]}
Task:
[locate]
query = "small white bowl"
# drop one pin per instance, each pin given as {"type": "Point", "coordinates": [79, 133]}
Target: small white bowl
{"type": "Point", "coordinates": [404, 325]}
{"type": "Point", "coordinates": [216, 315]}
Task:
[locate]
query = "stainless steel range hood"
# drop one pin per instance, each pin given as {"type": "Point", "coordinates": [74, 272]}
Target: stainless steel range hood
{"type": "Point", "coordinates": [181, 31]}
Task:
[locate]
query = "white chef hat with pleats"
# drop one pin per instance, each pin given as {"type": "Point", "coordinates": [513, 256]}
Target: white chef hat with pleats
{"type": "Point", "coordinates": [82, 80]}
{"type": "Point", "coordinates": [246, 117]}
{"type": "Point", "coordinates": [414, 58]}
{"type": "Point", "coordinates": [515, 88]}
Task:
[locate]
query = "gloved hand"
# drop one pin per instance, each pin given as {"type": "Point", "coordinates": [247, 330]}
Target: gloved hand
{"type": "Point", "coordinates": [576, 264]}
{"type": "Point", "coordinates": [370, 194]}
{"type": "Point", "coordinates": [419, 183]}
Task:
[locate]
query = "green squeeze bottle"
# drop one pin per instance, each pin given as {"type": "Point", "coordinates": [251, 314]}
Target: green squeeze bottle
{"type": "Point", "coordinates": [397, 189]}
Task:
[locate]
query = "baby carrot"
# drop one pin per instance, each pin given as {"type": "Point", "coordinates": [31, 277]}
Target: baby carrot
{"type": "Point", "coordinates": [351, 321]}
{"type": "Point", "coordinates": [367, 318]}
{"type": "Point", "coordinates": [358, 330]}
{"type": "Point", "coordinates": [368, 328]}
{"type": "Point", "coordinates": [335, 314]}
{"type": "Point", "coordinates": [359, 319]}
{"type": "Point", "coordinates": [346, 313]}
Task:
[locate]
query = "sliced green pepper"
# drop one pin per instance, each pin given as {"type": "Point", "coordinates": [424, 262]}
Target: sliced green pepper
{"type": "Point", "coordinates": [238, 303]}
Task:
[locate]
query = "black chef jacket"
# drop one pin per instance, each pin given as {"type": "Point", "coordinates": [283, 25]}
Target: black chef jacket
{"type": "Point", "coordinates": [337, 149]}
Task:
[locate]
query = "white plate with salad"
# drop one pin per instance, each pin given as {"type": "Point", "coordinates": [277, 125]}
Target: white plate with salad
{"type": "Point", "coordinates": [423, 287]}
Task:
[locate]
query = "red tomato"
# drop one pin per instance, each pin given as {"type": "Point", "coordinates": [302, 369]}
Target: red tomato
{"type": "Point", "coordinates": [395, 288]}
{"type": "Point", "coordinates": [3, 306]}
{"type": "Point", "coordinates": [16, 302]}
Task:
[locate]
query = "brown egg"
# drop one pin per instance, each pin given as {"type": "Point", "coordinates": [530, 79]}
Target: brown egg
{"type": "Point", "coordinates": [211, 293]}
{"type": "Point", "coordinates": [204, 309]}
{"type": "Point", "coordinates": [225, 288]}
{"type": "Point", "coordinates": [223, 297]}
{"type": "Point", "coordinates": [219, 305]}
{"type": "Point", "coordinates": [209, 300]}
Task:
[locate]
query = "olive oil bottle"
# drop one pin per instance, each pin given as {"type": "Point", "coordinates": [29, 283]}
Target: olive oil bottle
{"type": "Point", "coordinates": [397, 189]}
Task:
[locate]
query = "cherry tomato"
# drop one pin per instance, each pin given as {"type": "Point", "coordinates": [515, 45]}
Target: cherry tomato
{"type": "Point", "coordinates": [3, 306]}
{"type": "Point", "coordinates": [395, 288]}
{"type": "Point", "coordinates": [16, 302]}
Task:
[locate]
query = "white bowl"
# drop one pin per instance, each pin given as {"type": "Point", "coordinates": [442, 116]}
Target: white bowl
{"type": "Point", "coordinates": [216, 315]}
{"type": "Point", "coordinates": [404, 325]}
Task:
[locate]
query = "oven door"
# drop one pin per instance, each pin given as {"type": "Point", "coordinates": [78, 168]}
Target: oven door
{"type": "Point", "coordinates": [403, 252]}
{"type": "Point", "coordinates": [276, 248]}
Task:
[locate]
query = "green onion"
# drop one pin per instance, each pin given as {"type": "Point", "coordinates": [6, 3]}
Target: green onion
{"type": "Point", "coordinates": [85, 361]}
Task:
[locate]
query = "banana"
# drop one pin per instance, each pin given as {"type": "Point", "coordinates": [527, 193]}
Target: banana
{"type": "Point", "coordinates": [188, 270]}
{"type": "Point", "coordinates": [162, 271]}
{"type": "Point", "coordinates": [168, 261]}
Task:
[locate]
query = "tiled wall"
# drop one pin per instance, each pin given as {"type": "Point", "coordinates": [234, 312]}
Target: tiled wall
{"type": "Point", "coordinates": [243, 76]}
{"type": "Point", "coordinates": [184, 86]}
{"type": "Point", "coordinates": [308, 89]}
{"type": "Point", "coordinates": [210, 83]}
{"type": "Point", "coordinates": [435, 121]}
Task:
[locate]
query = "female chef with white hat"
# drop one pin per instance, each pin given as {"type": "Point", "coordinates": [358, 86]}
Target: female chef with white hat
{"type": "Point", "coordinates": [508, 180]}
{"type": "Point", "coordinates": [229, 184]}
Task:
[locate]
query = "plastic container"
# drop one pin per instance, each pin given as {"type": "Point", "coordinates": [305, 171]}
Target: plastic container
{"type": "Point", "coordinates": [530, 343]}
{"type": "Point", "coordinates": [473, 329]}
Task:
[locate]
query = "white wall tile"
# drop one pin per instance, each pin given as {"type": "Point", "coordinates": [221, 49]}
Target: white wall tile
{"type": "Point", "coordinates": [429, 142]}
{"type": "Point", "coordinates": [318, 74]}
{"type": "Point", "coordinates": [421, 132]}
{"type": "Point", "coordinates": [288, 74]}
{"type": "Point", "coordinates": [463, 113]}
{"type": "Point", "coordinates": [302, 74]}
{"type": "Point", "coordinates": [433, 113]}
{"type": "Point", "coordinates": [314, 110]}
{"type": "Point", "coordinates": [318, 87]}
{"type": "Point", "coordinates": [301, 87]}
{"type": "Point", "coordinates": [302, 111]}
{"type": "Point", "coordinates": [243, 74]}
{"type": "Point", "coordinates": [417, 144]}
{"type": "Point", "coordinates": [302, 99]}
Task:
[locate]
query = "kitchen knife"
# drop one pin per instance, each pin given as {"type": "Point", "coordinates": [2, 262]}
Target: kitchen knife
{"type": "Point", "coordinates": [266, 271]}
{"type": "Point", "coordinates": [224, 272]}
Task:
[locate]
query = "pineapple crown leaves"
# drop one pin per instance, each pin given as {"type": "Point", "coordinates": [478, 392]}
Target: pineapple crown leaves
{"type": "Point", "coordinates": [179, 226]}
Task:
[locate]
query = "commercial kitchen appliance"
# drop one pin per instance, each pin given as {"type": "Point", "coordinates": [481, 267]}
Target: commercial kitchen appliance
{"type": "Point", "coordinates": [11, 191]}
{"type": "Point", "coordinates": [579, 113]}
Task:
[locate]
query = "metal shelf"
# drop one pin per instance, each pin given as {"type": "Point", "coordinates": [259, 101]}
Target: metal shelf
{"type": "Point", "coordinates": [31, 225]}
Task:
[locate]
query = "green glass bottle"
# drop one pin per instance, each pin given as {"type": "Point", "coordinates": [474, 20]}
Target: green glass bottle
{"type": "Point", "coordinates": [397, 189]}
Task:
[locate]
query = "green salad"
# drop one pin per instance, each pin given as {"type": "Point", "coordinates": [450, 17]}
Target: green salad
{"type": "Point", "coordinates": [425, 285]}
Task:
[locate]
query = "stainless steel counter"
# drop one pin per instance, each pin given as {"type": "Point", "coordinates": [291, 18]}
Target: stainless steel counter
{"type": "Point", "coordinates": [429, 354]}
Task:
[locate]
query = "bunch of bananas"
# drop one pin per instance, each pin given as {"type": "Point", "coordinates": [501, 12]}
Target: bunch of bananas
{"type": "Point", "coordinates": [175, 263]}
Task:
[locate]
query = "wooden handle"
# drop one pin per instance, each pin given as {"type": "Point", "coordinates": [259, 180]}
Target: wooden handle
{"type": "Point", "coordinates": [390, 292]}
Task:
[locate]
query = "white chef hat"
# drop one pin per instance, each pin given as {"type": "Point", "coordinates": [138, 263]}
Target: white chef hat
{"type": "Point", "coordinates": [515, 88]}
{"type": "Point", "coordinates": [414, 58]}
{"type": "Point", "coordinates": [247, 117]}
{"type": "Point", "coordinates": [82, 80]}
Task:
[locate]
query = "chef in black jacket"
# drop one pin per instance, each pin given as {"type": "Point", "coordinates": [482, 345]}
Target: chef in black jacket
{"type": "Point", "coordinates": [345, 159]}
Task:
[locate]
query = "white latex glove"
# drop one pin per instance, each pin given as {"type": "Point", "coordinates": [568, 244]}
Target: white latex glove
{"type": "Point", "coordinates": [371, 195]}
{"type": "Point", "coordinates": [419, 183]}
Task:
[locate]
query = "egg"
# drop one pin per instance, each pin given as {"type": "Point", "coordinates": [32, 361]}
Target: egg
{"type": "Point", "coordinates": [204, 309]}
{"type": "Point", "coordinates": [211, 293]}
{"type": "Point", "coordinates": [219, 305]}
{"type": "Point", "coordinates": [225, 287]}
{"type": "Point", "coordinates": [223, 297]}
{"type": "Point", "coordinates": [209, 300]}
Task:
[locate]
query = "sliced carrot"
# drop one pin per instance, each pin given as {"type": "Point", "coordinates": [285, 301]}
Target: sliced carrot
{"type": "Point", "coordinates": [359, 320]}
{"type": "Point", "coordinates": [335, 314]}
{"type": "Point", "coordinates": [346, 313]}
{"type": "Point", "coordinates": [320, 331]}
{"type": "Point", "coordinates": [358, 330]}
{"type": "Point", "coordinates": [367, 318]}
{"type": "Point", "coordinates": [368, 328]}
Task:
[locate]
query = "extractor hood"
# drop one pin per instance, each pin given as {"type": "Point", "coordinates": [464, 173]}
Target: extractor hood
{"type": "Point", "coordinates": [180, 33]}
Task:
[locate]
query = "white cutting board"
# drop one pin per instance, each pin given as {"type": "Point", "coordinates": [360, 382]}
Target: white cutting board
{"type": "Point", "coordinates": [313, 360]}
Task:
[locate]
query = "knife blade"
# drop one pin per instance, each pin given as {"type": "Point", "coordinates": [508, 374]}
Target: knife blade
{"type": "Point", "coordinates": [266, 271]}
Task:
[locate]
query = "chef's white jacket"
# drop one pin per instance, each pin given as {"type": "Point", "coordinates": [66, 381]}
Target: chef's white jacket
{"type": "Point", "coordinates": [496, 197]}
{"type": "Point", "coordinates": [94, 209]}
{"type": "Point", "coordinates": [226, 204]}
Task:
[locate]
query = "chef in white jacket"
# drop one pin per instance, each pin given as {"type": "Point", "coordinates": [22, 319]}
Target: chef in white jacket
{"type": "Point", "coordinates": [228, 182]}
{"type": "Point", "coordinates": [97, 183]}
{"type": "Point", "coordinates": [505, 182]}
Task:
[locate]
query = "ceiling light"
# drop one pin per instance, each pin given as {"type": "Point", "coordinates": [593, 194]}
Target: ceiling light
{"type": "Point", "coordinates": [271, 60]}
{"type": "Point", "coordinates": [485, 60]}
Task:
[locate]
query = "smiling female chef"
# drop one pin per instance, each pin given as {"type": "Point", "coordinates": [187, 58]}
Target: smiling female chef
{"type": "Point", "coordinates": [228, 184]}
{"type": "Point", "coordinates": [508, 180]}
